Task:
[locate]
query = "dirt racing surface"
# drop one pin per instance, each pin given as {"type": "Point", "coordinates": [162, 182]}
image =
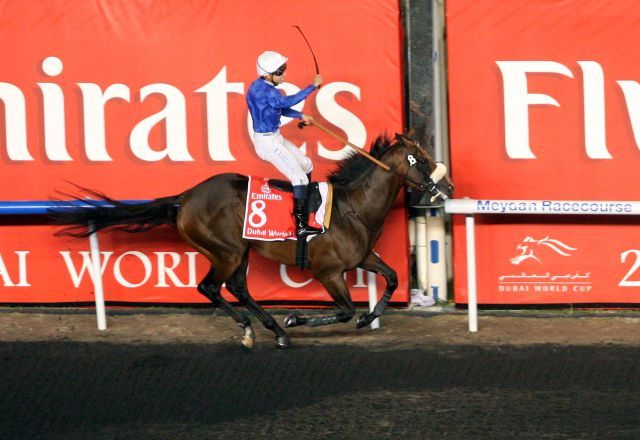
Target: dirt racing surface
{"type": "Point", "coordinates": [418, 327]}
{"type": "Point", "coordinates": [183, 374]}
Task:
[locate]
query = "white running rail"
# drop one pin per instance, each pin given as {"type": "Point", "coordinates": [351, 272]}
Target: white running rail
{"type": "Point", "coordinates": [471, 207]}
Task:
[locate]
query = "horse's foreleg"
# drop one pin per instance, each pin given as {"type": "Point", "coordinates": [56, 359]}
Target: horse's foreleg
{"type": "Point", "coordinates": [337, 288]}
{"type": "Point", "coordinates": [237, 285]}
{"type": "Point", "coordinates": [211, 290]}
{"type": "Point", "coordinates": [373, 263]}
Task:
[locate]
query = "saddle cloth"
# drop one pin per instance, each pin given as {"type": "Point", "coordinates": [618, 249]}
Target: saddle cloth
{"type": "Point", "coordinates": [269, 211]}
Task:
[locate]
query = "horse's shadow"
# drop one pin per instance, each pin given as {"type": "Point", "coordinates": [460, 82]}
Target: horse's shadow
{"type": "Point", "coordinates": [65, 388]}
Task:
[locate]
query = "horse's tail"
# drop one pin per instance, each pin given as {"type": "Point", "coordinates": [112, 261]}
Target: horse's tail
{"type": "Point", "coordinates": [81, 217]}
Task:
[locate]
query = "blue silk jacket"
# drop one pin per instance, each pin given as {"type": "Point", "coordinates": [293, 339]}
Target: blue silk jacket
{"type": "Point", "coordinates": [267, 105]}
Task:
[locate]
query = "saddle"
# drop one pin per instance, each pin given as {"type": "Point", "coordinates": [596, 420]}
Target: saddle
{"type": "Point", "coordinates": [268, 212]}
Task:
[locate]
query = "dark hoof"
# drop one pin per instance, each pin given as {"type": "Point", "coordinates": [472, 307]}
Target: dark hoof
{"type": "Point", "coordinates": [291, 321]}
{"type": "Point", "coordinates": [283, 341]}
{"type": "Point", "coordinates": [363, 321]}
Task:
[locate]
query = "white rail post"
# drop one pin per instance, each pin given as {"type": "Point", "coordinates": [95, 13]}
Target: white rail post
{"type": "Point", "coordinates": [421, 252]}
{"type": "Point", "coordinates": [97, 278]}
{"type": "Point", "coordinates": [373, 297]}
{"type": "Point", "coordinates": [472, 301]}
{"type": "Point", "coordinates": [436, 262]}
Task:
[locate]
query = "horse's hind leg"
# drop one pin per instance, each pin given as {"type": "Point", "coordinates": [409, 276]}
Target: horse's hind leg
{"type": "Point", "coordinates": [210, 287]}
{"type": "Point", "coordinates": [373, 263]}
{"type": "Point", "coordinates": [237, 285]}
{"type": "Point", "coordinates": [337, 288]}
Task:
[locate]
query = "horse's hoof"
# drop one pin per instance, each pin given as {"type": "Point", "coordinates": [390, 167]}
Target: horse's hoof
{"type": "Point", "coordinates": [283, 341]}
{"type": "Point", "coordinates": [248, 338]}
{"type": "Point", "coordinates": [291, 321]}
{"type": "Point", "coordinates": [362, 321]}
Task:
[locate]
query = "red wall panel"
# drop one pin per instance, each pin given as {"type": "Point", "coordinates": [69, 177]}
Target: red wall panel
{"type": "Point", "coordinates": [544, 101]}
{"type": "Point", "coordinates": [145, 99]}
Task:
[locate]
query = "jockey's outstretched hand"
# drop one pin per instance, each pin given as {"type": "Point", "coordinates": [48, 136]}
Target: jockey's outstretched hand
{"type": "Point", "coordinates": [317, 81]}
{"type": "Point", "coordinates": [306, 119]}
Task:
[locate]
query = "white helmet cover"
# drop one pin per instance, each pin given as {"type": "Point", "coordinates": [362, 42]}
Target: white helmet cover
{"type": "Point", "coordinates": [268, 62]}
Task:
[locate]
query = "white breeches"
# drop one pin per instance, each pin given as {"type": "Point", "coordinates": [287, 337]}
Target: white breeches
{"type": "Point", "coordinates": [283, 155]}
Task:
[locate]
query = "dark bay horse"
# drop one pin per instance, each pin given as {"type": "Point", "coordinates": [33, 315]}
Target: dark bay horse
{"type": "Point", "coordinates": [210, 217]}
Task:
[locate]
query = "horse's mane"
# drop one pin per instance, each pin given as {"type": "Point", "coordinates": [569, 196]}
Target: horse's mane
{"type": "Point", "coordinates": [353, 168]}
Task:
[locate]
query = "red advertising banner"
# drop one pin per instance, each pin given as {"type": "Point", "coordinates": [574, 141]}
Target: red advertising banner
{"type": "Point", "coordinates": [544, 105]}
{"type": "Point", "coordinates": [41, 268]}
{"type": "Point", "coordinates": [144, 99]}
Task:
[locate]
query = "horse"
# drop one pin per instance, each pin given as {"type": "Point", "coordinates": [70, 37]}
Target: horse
{"type": "Point", "coordinates": [209, 217]}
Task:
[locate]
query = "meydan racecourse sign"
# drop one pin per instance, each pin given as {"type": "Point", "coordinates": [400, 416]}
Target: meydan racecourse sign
{"type": "Point", "coordinates": [547, 207]}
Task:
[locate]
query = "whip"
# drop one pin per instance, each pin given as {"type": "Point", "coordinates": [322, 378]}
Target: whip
{"type": "Point", "coordinates": [315, 61]}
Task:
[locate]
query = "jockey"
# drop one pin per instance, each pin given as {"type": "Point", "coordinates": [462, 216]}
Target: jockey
{"type": "Point", "coordinates": [267, 105]}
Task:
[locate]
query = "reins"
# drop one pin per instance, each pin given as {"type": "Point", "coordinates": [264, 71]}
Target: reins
{"type": "Point", "coordinates": [344, 141]}
{"type": "Point", "coordinates": [372, 159]}
{"type": "Point", "coordinates": [364, 153]}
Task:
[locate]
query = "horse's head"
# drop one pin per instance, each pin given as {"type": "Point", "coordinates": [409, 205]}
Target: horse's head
{"type": "Point", "coordinates": [419, 171]}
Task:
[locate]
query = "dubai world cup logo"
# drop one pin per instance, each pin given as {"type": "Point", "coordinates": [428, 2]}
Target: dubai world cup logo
{"type": "Point", "coordinates": [547, 274]}
{"type": "Point", "coordinates": [531, 249]}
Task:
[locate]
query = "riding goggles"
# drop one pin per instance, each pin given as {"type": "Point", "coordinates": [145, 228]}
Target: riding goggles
{"type": "Point", "coordinates": [280, 70]}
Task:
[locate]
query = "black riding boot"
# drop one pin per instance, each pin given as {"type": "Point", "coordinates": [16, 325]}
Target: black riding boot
{"type": "Point", "coordinates": [301, 214]}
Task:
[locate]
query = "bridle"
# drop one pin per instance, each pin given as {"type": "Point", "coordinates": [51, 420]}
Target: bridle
{"type": "Point", "coordinates": [409, 181]}
{"type": "Point", "coordinates": [431, 186]}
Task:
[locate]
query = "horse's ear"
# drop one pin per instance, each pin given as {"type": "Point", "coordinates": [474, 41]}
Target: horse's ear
{"type": "Point", "coordinates": [403, 139]}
